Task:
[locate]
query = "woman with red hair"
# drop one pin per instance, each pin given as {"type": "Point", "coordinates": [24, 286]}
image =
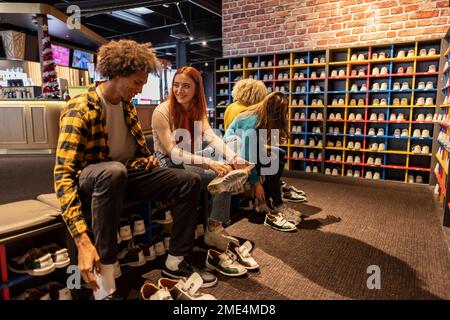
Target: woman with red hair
{"type": "Point", "coordinates": [180, 131]}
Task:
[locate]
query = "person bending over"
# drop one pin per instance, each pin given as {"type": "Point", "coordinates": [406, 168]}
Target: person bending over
{"type": "Point", "coordinates": [102, 161]}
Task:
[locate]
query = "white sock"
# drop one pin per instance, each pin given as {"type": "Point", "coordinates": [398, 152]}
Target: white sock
{"type": "Point", "coordinates": [105, 281]}
{"type": "Point", "coordinates": [172, 262]}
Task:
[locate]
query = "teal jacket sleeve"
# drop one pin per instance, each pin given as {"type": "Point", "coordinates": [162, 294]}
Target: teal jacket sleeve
{"type": "Point", "coordinates": [254, 176]}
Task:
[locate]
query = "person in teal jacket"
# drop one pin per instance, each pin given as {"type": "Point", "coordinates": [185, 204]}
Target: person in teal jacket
{"type": "Point", "coordinates": [263, 124]}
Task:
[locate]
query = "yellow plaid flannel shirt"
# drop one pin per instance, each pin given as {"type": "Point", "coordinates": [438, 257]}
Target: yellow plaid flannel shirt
{"type": "Point", "coordinates": [83, 140]}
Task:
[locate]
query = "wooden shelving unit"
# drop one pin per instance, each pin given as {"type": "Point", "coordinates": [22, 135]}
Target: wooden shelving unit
{"type": "Point", "coordinates": [396, 79]}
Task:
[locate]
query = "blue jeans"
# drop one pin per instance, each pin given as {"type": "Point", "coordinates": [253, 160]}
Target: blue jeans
{"type": "Point", "coordinates": [221, 203]}
{"type": "Point", "coordinates": [271, 183]}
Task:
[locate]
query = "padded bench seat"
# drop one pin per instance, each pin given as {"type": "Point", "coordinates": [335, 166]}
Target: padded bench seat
{"type": "Point", "coordinates": [22, 216]}
{"type": "Point", "coordinates": [49, 199]}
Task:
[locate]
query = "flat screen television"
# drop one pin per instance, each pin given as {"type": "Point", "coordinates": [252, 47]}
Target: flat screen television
{"type": "Point", "coordinates": [61, 55]}
{"type": "Point", "coordinates": [81, 59]}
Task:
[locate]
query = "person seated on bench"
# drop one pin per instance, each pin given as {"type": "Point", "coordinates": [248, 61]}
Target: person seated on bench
{"type": "Point", "coordinates": [180, 127]}
{"type": "Point", "coordinates": [259, 127]}
{"type": "Point", "coordinates": [246, 93]}
{"type": "Point", "coordinates": [102, 161]}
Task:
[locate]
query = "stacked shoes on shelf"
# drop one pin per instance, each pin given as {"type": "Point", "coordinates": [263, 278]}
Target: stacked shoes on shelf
{"type": "Point", "coordinates": [40, 261]}
{"type": "Point", "coordinates": [131, 237]}
{"type": "Point", "coordinates": [50, 291]}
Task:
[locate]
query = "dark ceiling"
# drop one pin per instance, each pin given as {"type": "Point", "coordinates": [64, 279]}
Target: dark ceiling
{"type": "Point", "coordinates": [163, 23]}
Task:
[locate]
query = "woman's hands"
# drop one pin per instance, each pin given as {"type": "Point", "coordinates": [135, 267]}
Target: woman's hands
{"type": "Point", "coordinates": [151, 162]}
{"type": "Point", "coordinates": [220, 168]}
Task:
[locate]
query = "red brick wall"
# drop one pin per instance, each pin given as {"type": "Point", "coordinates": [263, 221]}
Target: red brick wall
{"type": "Point", "coordinates": [267, 26]}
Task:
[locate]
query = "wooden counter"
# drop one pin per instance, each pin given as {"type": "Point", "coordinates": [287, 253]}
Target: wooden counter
{"type": "Point", "coordinates": [33, 126]}
{"type": "Point", "coordinates": [29, 125]}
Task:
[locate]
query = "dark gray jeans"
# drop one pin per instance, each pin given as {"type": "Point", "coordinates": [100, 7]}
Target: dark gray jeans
{"type": "Point", "coordinates": [105, 186]}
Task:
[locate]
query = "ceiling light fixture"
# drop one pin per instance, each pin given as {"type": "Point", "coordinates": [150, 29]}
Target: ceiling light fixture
{"type": "Point", "coordinates": [140, 10]}
{"type": "Point", "coordinates": [204, 43]}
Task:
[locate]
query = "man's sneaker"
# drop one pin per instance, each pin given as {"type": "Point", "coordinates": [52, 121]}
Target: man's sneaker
{"type": "Point", "coordinates": [149, 251]}
{"type": "Point", "coordinates": [162, 217]}
{"type": "Point", "coordinates": [232, 182]}
{"type": "Point", "coordinates": [59, 255]}
{"type": "Point", "coordinates": [290, 214]}
{"type": "Point", "coordinates": [34, 263]}
{"type": "Point", "coordinates": [151, 292]}
{"type": "Point", "coordinates": [185, 270]}
{"type": "Point", "coordinates": [225, 263]}
{"type": "Point", "coordinates": [131, 256]}
{"type": "Point", "coordinates": [185, 289]}
{"type": "Point", "coordinates": [243, 255]}
{"type": "Point", "coordinates": [125, 230]}
{"type": "Point", "coordinates": [292, 196]}
{"type": "Point", "coordinates": [138, 224]}
{"type": "Point", "coordinates": [56, 291]}
{"type": "Point", "coordinates": [278, 222]}
{"type": "Point", "coordinates": [218, 238]}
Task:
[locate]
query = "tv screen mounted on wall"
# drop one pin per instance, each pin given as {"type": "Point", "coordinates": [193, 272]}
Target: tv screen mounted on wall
{"type": "Point", "coordinates": [61, 55]}
{"type": "Point", "coordinates": [81, 59]}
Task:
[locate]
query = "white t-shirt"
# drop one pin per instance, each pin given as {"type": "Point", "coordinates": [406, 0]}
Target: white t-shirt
{"type": "Point", "coordinates": [122, 145]}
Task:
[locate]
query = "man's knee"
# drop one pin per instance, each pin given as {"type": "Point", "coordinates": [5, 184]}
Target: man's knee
{"type": "Point", "coordinates": [192, 179]}
{"type": "Point", "coordinates": [114, 172]}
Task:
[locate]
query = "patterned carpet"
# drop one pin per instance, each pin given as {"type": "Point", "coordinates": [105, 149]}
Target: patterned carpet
{"type": "Point", "coordinates": [349, 225]}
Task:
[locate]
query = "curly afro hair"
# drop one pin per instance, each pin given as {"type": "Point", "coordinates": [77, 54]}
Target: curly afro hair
{"type": "Point", "coordinates": [125, 57]}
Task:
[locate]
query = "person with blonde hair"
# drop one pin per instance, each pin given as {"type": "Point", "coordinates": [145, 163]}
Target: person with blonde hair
{"type": "Point", "coordinates": [102, 161]}
{"type": "Point", "coordinates": [245, 93]}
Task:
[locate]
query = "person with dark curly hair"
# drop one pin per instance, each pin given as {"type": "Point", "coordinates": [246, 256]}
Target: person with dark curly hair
{"type": "Point", "coordinates": [102, 161]}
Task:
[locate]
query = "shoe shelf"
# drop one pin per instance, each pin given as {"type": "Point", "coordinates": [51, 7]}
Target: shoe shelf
{"type": "Point", "coordinates": [377, 165]}
{"type": "Point", "coordinates": [441, 168]}
{"type": "Point", "coordinates": [388, 79]}
{"type": "Point", "coordinates": [15, 279]}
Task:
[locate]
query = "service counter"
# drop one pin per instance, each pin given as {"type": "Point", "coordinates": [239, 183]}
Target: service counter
{"type": "Point", "coordinates": [29, 125]}
{"type": "Point", "coordinates": [32, 126]}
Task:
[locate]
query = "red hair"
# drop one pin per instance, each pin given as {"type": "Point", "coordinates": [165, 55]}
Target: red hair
{"type": "Point", "coordinates": [199, 100]}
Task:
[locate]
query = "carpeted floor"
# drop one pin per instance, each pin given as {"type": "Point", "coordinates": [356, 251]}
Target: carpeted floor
{"type": "Point", "coordinates": [349, 225]}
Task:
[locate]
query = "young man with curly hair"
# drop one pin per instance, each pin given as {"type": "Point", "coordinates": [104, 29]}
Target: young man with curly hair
{"type": "Point", "coordinates": [102, 161]}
